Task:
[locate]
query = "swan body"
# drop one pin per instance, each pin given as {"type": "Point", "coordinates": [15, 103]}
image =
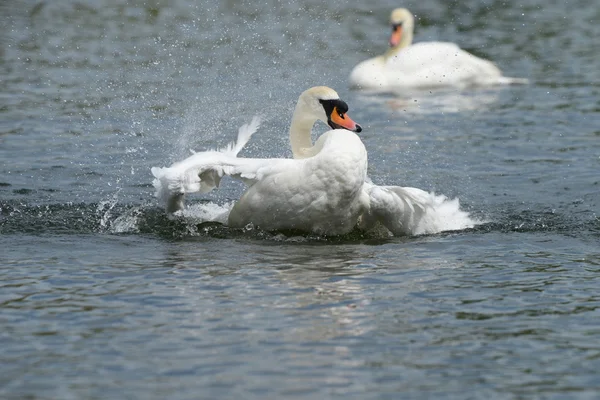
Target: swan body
{"type": "Point", "coordinates": [324, 189]}
{"type": "Point", "coordinates": [320, 194]}
{"type": "Point", "coordinates": [423, 65]}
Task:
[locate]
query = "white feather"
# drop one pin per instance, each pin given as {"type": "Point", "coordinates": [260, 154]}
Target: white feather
{"type": "Point", "coordinates": [201, 172]}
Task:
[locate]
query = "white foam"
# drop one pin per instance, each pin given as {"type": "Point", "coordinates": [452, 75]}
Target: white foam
{"type": "Point", "coordinates": [445, 215]}
{"type": "Point", "coordinates": [206, 212]}
{"type": "Point", "coordinates": [128, 222]}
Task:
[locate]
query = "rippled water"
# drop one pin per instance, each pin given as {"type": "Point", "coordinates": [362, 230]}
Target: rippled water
{"type": "Point", "coordinates": [102, 296]}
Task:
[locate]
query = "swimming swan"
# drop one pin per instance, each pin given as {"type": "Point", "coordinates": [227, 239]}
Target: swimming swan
{"type": "Point", "coordinates": [423, 65]}
{"type": "Point", "coordinates": [324, 189]}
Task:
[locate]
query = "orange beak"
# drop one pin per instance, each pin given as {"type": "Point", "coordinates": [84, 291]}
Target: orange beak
{"type": "Point", "coordinates": [339, 120]}
{"type": "Point", "coordinates": [396, 35]}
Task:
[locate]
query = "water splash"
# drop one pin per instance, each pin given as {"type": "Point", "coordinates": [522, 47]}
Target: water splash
{"type": "Point", "coordinates": [105, 208]}
{"type": "Point", "coordinates": [208, 219]}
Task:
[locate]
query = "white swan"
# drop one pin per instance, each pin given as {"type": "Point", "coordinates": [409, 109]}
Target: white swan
{"type": "Point", "coordinates": [324, 189]}
{"type": "Point", "coordinates": [423, 65]}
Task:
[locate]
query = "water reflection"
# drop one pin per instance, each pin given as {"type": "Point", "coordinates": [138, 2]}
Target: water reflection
{"type": "Point", "coordinates": [434, 102]}
{"type": "Point", "coordinates": [327, 284]}
{"type": "Point", "coordinates": [320, 285]}
{"type": "Point", "coordinates": [314, 293]}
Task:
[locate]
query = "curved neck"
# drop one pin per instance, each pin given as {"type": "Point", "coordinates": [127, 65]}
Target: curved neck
{"type": "Point", "coordinates": [300, 132]}
{"type": "Point", "coordinates": [405, 41]}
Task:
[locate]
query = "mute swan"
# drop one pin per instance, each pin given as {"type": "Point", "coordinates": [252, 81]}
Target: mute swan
{"type": "Point", "coordinates": [423, 65]}
{"type": "Point", "coordinates": [324, 189]}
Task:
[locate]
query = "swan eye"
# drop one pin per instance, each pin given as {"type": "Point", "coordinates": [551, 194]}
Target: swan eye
{"type": "Point", "coordinates": [334, 108]}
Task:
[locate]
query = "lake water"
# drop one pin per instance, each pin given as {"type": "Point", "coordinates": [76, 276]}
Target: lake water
{"type": "Point", "coordinates": [102, 296]}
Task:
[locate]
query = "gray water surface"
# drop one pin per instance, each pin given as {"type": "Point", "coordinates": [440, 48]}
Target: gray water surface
{"type": "Point", "coordinates": [103, 296]}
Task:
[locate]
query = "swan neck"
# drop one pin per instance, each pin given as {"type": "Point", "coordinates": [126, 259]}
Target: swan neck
{"type": "Point", "coordinates": [300, 133]}
{"type": "Point", "coordinates": [405, 41]}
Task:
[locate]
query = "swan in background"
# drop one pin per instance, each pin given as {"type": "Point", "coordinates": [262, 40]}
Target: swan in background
{"type": "Point", "coordinates": [324, 189]}
{"type": "Point", "coordinates": [423, 65]}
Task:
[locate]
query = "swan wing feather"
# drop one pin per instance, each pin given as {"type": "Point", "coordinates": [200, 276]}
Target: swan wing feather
{"type": "Point", "coordinates": [202, 171]}
{"type": "Point", "coordinates": [412, 211]}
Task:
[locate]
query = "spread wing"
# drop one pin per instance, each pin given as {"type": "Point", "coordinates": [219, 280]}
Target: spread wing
{"type": "Point", "coordinates": [202, 171]}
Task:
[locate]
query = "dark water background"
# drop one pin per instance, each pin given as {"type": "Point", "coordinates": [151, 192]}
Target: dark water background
{"type": "Point", "coordinates": [101, 296]}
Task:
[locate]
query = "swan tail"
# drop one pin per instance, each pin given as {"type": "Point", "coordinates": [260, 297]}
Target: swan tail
{"type": "Point", "coordinates": [505, 80]}
{"type": "Point", "coordinates": [411, 211]}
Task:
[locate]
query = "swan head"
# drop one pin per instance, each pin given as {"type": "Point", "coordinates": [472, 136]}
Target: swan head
{"type": "Point", "coordinates": [324, 104]}
{"type": "Point", "coordinates": [402, 22]}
